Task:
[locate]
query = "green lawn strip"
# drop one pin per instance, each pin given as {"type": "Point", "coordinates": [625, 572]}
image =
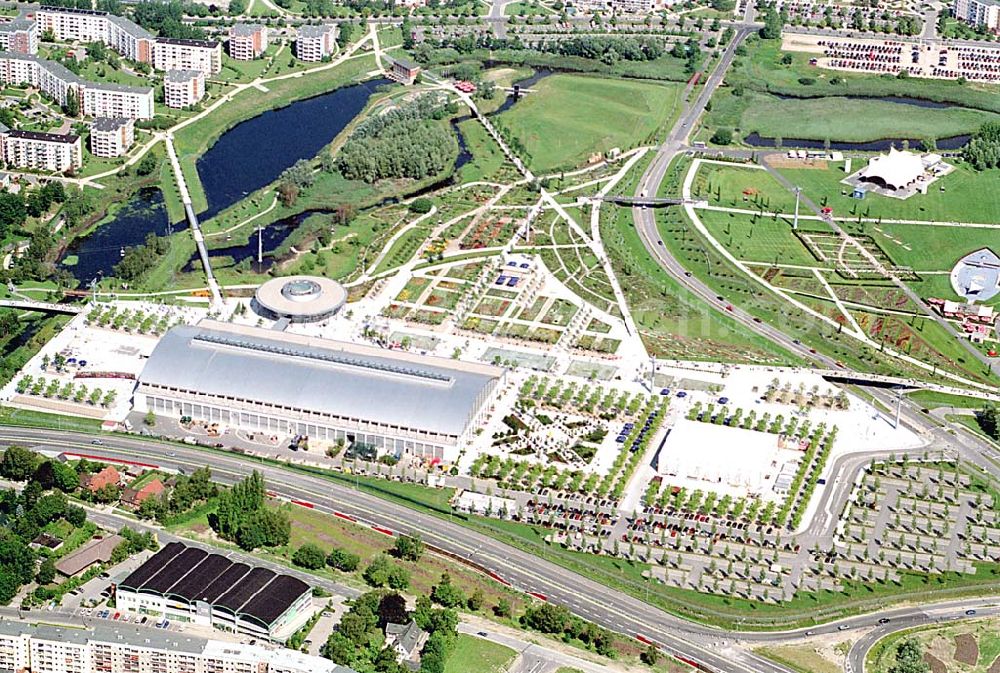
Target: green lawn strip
{"type": "Point", "coordinates": [487, 157]}
{"type": "Point", "coordinates": [29, 418]}
{"type": "Point", "coordinates": [758, 239]}
{"type": "Point", "coordinates": [969, 422]}
{"type": "Point", "coordinates": [569, 117]}
{"type": "Point", "coordinates": [931, 400]}
{"type": "Point", "coordinates": [42, 328]}
{"type": "Point", "coordinates": [402, 249]}
{"type": "Point", "coordinates": [835, 118]}
{"type": "Point", "coordinates": [479, 655]}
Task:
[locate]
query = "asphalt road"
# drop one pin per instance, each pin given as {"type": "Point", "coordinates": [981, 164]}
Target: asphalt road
{"type": "Point", "coordinates": [585, 597]}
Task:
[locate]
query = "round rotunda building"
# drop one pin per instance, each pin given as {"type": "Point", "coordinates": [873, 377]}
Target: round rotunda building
{"type": "Point", "coordinates": [299, 299]}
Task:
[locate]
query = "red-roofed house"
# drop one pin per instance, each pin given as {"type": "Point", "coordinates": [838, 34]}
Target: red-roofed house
{"type": "Point", "coordinates": [133, 497]}
{"type": "Point", "coordinates": [95, 482]}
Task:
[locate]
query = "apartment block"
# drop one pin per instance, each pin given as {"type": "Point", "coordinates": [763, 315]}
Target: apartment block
{"type": "Point", "coordinates": [183, 88]}
{"type": "Point", "coordinates": [41, 151]}
{"type": "Point", "coordinates": [111, 136]}
{"type": "Point", "coordinates": [247, 41]}
{"type": "Point", "coordinates": [979, 13]}
{"type": "Point", "coordinates": [314, 43]}
{"type": "Point", "coordinates": [43, 648]}
{"type": "Point", "coordinates": [19, 36]}
{"type": "Point", "coordinates": [96, 99]}
{"type": "Point", "coordinates": [175, 54]}
{"type": "Point", "coordinates": [116, 100]}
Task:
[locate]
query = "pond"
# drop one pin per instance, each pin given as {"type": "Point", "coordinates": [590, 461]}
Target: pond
{"type": "Point", "coordinates": [97, 253]}
{"type": "Point", "coordinates": [254, 153]}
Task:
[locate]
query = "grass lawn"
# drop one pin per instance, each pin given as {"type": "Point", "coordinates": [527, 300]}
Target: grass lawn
{"type": "Point", "coordinates": [735, 186]}
{"type": "Point", "coordinates": [928, 248]}
{"type": "Point", "coordinates": [940, 642]}
{"type": "Point", "coordinates": [836, 118]}
{"type": "Point", "coordinates": [965, 195]}
{"type": "Point", "coordinates": [757, 240]}
{"type": "Point", "coordinates": [487, 158]}
{"type": "Point", "coordinates": [799, 658]}
{"type": "Point", "coordinates": [476, 654]}
{"type": "Point", "coordinates": [569, 117]}
{"type": "Point", "coordinates": [931, 400]}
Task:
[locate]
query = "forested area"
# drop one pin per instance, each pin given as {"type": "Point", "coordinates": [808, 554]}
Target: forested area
{"type": "Point", "coordinates": [166, 18]}
{"type": "Point", "coordinates": [243, 517]}
{"type": "Point", "coordinates": [406, 142]}
{"type": "Point", "coordinates": [983, 150]}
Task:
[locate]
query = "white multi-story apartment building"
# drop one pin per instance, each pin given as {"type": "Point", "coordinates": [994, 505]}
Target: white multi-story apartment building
{"type": "Point", "coordinates": [19, 36]}
{"type": "Point", "coordinates": [247, 41]}
{"type": "Point", "coordinates": [985, 13]}
{"type": "Point", "coordinates": [111, 136]}
{"type": "Point", "coordinates": [173, 54]}
{"type": "Point", "coordinates": [314, 43]}
{"type": "Point", "coordinates": [105, 649]}
{"type": "Point", "coordinates": [96, 99]}
{"type": "Point", "coordinates": [41, 151]}
{"type": "Point", "coordinates": [116, 100]}
{"type": "Point", "coordinates": [183, 88]}
{"type": "Point", "coordinates": [130, 40]}
{"type": "Point", "coordinates": [126, 37]}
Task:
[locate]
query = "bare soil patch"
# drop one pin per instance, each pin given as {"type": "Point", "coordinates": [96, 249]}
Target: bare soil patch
{"type": "Point", "coordinates": [966, 649]}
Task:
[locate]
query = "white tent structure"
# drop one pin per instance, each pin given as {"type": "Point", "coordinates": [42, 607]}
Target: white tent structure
{"type": "Point", "coordinates": [895, 170]}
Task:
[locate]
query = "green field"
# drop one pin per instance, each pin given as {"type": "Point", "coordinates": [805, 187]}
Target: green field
{"type": "Point", "coordinates": [965, 195]}
{"type": "Point", "coordinates": [569, 117]}
{"type": "Point", "coordinates": [753, 239]}
{"type": "Point", "coordinates": [932, 400]}
{"type": "Point", "coordinates": [476, 654]}
{"type": "Point", "coordinates": [799, 658]}
{"type": "Point", "coordinates": [837, 118]}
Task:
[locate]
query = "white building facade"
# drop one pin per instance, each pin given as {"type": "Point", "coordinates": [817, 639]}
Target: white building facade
{"type": "Point", "coordinates": [111, 137]}
{"type": "Point", "coordinates": [314, 43]}
{"type": "Point", "coordinates": [979, 13]}
{"type": "Point", "coordinates": [172, 54]}
{"type": "Point", "coordinates": [183, 88]}
{"type": "Point", "coordinates": [41, 151]}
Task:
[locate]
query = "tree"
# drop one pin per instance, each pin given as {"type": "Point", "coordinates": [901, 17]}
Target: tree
{"type": "Point", "coordinates": [772, 24]}
{"type": "Point", "coordinates": [46, 572]}
{"type": "Point", "coordinates": [147, 165]}
{"type": "Point", "coordinates": [17, 464]}
{"type": "Point", "coordinates": [983, 149]}
{"type": "Point", "coordinates": [987, 419]}
{"type": "Point", "coordinates": [149, 419]}
{"type": "Point", "coordinates": [476, 601]}
{"type": "Point", "coordinates": [309, 556]}
{"type": "Point", "coordinates": [343, 561]}
{"type": "Point", "coordinates": [447, 594]}
{"type": "Point", "coordinates": [722, 136]}
{"type": "Point", "coordinates": [502, 608]}
{"type": "Point", "coordinates": [75, 516]}
{"type": "Point", "coordinates": [909, 658]}
{"type": "Point", "coordinates": [650, 656]}
{"type": "Point", "coordinates": [382, 572]}
{"type": "Point", "coordinates": [409, 547]}
{"type": "Point", "coordinates": [72, 105]}
{"type": "Point", "coordinates": [547, 618]}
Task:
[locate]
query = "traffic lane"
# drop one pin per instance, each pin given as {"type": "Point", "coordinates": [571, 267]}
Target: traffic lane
{"type": "Point", "coordinates": [591, 600]}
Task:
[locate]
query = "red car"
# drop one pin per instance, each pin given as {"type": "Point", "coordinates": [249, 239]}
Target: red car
{"type": "Point", "coordinates": [729, 307]}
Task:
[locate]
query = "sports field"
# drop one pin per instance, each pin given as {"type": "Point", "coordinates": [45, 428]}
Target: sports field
{"type": "Point", "coordinates": [569, 117]}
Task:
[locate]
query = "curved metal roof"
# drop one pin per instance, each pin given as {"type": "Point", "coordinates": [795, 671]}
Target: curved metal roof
{"type": "Point", "coordinates": [348, 380]}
